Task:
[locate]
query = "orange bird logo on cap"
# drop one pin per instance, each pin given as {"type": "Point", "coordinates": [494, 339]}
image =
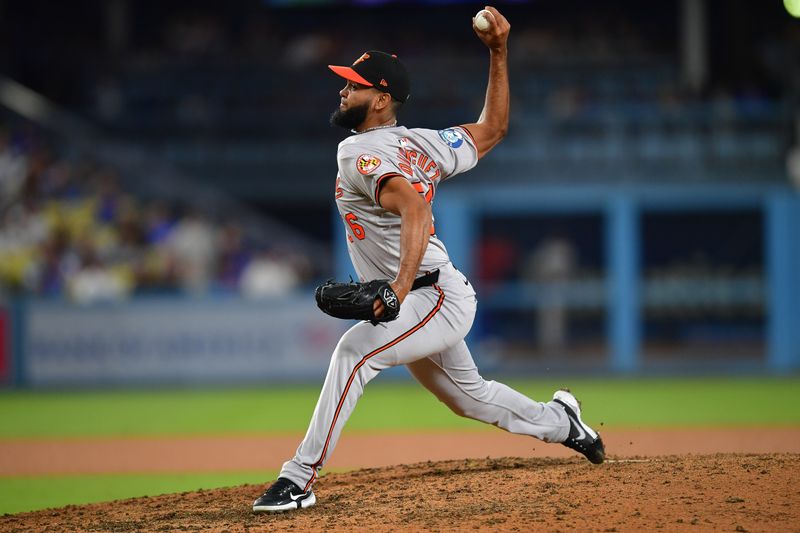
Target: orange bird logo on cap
{"type": "Point", "coordinates": [360, 59]}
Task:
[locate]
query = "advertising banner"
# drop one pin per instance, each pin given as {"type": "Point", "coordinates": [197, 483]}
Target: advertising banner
{"type": "Point", "coordinates": [152, 341]}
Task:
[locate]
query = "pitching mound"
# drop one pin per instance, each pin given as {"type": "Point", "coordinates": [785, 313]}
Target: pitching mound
{"type": "Point", "coordinates": [675, 493]}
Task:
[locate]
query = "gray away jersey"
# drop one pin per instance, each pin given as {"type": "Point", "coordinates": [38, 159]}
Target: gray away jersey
{"type": "Point", "coordinates": [421, 156]}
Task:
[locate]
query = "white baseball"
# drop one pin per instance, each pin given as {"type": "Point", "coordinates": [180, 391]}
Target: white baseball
{"type": "Point", "coordinates": [482, 19]}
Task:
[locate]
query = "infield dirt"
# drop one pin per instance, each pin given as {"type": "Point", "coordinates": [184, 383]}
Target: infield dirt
{"type": "Point", "coordinates": [722, 492]}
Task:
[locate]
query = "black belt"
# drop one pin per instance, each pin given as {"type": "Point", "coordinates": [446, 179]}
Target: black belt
{"type": "Point", "coordinates": [426, 281]}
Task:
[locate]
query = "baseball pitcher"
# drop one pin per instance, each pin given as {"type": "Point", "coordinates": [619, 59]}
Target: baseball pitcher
{"type": "Point", "coordinates": [415, 306]}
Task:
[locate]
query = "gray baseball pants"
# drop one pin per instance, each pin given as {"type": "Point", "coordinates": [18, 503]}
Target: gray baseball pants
{"type": "Point", "coordinates": [427, 337]}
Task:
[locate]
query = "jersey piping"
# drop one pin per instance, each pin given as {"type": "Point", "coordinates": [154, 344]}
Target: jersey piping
{"type": "Point", "coordinates": [380, 182]}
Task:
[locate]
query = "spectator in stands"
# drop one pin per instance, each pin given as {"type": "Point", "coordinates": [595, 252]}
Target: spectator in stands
{"type": "Point", "coordinates": [551, 266]}
{"type": "Point", "coordinates": [193, 248]}
{"type": "Point", "coordinates": [233, 256]}
{"type": "Point", "coordinates": [267, 275]}
{"type": "Point", "coordinates": [69, 229]}
{"type": "Point", "coordinates": [94, 281]}
{"type": "Point", "coordinates": [22, 231]}
{"type": "Point", "coordinates": [54, 262]}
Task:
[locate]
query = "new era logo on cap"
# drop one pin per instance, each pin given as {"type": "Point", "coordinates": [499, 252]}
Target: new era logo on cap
{"type": "Point", "coordinates": [379, 70]}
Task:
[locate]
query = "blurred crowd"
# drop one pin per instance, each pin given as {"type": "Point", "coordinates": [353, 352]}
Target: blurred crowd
{"type": "Point", "coordinates": [221, 91]}
{"type": "Point", "coordinates": [199, 66]}
{"type": "Point", "coordinates": [69, 228]}
{"type": "Point", "coordinates": [604, 85]}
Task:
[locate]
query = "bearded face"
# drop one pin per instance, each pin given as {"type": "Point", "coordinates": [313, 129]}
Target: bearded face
{"type": "Point", "coordinates": [351, 118]}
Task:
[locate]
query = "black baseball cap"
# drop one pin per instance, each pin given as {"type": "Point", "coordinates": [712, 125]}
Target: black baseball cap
{"type": "Point", "coordinates": [379, 70]}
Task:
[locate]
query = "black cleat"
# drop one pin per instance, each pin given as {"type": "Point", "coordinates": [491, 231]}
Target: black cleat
{"type": "Point", "coordinates": [582, 438]}
{"type": "Point", "coordinates": [283, 495]}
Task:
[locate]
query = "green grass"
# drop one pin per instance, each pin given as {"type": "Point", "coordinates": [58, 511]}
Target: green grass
{"type": "Point", "coordinates": [19, 494]}
{"type": "Point", "coordinates": [387, 406]}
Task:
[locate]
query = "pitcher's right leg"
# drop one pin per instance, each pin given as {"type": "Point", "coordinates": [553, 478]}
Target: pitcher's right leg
{"type": "Point", "coordinates": [453, 377]}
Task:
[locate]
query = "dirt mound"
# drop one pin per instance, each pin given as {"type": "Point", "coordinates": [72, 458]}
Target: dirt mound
{"type": "Point", "coordinates": [729, 492]}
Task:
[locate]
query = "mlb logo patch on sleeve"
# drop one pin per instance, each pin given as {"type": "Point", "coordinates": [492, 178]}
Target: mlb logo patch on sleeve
{"type": "Point", "coordinates": [451, 137]}
{"type": "Point", "coordinates": [367, 163]}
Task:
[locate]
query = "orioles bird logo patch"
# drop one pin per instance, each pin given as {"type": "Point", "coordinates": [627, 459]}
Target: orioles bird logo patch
{"type": "Point", "coordinates": [367, 163]}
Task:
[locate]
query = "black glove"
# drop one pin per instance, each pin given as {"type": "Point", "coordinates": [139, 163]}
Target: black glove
{"type": "Point", "coordinates": [356, 300]}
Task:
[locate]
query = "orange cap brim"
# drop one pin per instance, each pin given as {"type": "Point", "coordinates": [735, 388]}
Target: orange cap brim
{"type": "Point", "coordinates": [349, 74]}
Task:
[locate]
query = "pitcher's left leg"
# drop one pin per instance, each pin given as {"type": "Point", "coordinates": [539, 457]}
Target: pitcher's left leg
{"type": "Point", "coordinates": [361, 353]}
